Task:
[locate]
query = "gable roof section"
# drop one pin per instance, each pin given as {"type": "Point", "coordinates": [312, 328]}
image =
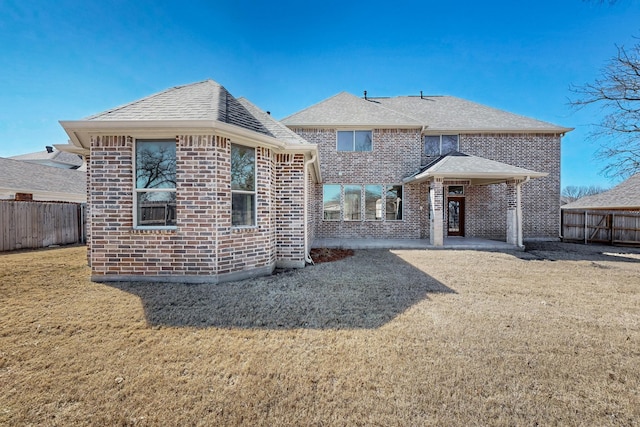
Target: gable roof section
{"type": "Point", "coordinates": [344, 110]}
{"type": "Point", "coordinates": [625, 195]}
{"type": "Point", "coordinates": [478, 170]}
{"type": "Point", "coordinates": [44, 182]}
{"type": "Point", "coordinates": [206, 100]}
{"type": "Point", "coordinates": [434, 113]}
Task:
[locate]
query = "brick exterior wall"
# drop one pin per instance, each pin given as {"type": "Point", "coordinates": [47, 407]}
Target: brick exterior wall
{"type": "Point", "coordinates": [289, 213]}
{"type": "Point", "coordinates": [204, 247]}
{"type": "Point", "coordinates": [398, 153]}
{"type": "Point", "coordinates": [540, 196]}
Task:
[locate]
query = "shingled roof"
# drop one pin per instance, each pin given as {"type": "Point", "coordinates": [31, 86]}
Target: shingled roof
{"type": "Point", "coordinates": [435, 113]}
{"type": "Point", "coordinates": [274, 127]}
{"type": "Point", "coordinates": [204, 106]}
{"type": "Point", "coordinates": [625, 195]}
{"type": "Point", "coordinates": [479, 170]}
{"type": "Point", "coordinates": [205, 100]}
{"type": "Point", "coordinates": [44, 182]}
{"type": "Point", "coordinates": [345, 109]}
{"type": "Point", "coordinates": [55, 158]}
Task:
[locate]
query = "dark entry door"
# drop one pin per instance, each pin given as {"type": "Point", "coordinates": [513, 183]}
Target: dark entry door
{"type": "Point", "coordinates": [455, 216]}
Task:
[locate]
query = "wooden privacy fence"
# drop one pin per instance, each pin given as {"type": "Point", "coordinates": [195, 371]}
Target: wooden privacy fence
{"type": "Point", "coordinates": [27, 225]}
{"type": "Point", "coordinates": [610, 227]}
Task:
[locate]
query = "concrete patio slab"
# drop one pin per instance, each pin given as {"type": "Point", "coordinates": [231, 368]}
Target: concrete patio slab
{"type": "Point", "coordinates": [449, 243]}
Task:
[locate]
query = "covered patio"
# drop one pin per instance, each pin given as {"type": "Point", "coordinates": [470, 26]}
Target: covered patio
{"type": "Point", "coordinates": [460, 243]}
{"type": "Point", "coordinates": [458, 170]}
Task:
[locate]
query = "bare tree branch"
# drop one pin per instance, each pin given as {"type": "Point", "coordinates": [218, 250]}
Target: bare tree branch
{"type": "Point", "coordinates": [571, 193]}
{"type": "Point", "coordinates": [617, 94]}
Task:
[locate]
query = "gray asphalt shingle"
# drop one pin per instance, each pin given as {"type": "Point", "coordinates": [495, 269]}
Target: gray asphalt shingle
{"type": "Point", "coordinates": [436, 113]}
{"type": "Point", "coordinates": [206, 100]}
{"type": "Point", "coordinates": [625, 195]}
{"type": "Point", "coordinates": [17, 175]}
{"type": "Point", "coordinates": [275, 128]}
{"type": "Point", "coordinates": [55, 157]}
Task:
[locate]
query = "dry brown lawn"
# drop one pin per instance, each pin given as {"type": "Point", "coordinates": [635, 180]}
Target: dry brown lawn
{"type": "Point", "coordinates": [389, 338]}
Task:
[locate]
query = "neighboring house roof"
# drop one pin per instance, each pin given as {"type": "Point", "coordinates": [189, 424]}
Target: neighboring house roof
{"type": "Point", "coordinates": [479, 170]}
{"type": "Point", "coordinates": [51, 157]}
{"type": "Point", "coordinates": [44, 182]}
{"type": "Point", "coordinates": [625, 195]}
{"type": "Point", "coordinates": [434, 113]}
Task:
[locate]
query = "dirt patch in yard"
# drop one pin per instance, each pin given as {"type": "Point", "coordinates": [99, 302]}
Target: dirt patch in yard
{"type": "Point", "coordinates": [320, 255]}
{"type": "Point", "coordinates": [549, 337]}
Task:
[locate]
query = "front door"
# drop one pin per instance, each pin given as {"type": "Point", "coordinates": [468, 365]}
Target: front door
{"type": "Point", "coordinates": [455, 216]}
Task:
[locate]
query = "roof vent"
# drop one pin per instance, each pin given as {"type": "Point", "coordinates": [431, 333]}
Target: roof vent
{"type": "Point", "coordinates": [365, 95]}
{"type": "Point", "coordinates": [421, 95]}
{"type": "Point", "coordinates": [49, 148]}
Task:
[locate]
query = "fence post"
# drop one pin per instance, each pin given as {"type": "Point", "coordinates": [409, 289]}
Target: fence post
{"type": "Point", "coordinates": [586, 229]}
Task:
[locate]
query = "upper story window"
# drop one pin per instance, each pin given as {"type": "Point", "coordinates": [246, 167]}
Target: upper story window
{"type": "Point", "coordinates": [155, 189]}
{"type": "Point", "coordinates": [437, 145]}
{"type": "Point", "coordinates": [243, 186]}
{"type": "Point", "coordinates": [354, 140]}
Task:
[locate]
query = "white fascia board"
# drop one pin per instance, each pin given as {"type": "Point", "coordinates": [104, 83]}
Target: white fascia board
{"type": "Point", "coordinates": [481, 178]}
{"type": "Point", "coordinates": [80, 131]}
{"type": "Point", "coordinates": [72, 148]}
{"type": "Point", "coordinates": [301, 148]}
{"type": "Point", "coordinates": [458, 131]}
{"type": "Point", "coordinates": [351, 126]}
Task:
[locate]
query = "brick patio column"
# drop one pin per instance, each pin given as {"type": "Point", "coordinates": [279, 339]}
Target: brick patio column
{"type": "Point", "coordinates": [436, 198]}
{"type": "Point", "coordinates": [512, 213]}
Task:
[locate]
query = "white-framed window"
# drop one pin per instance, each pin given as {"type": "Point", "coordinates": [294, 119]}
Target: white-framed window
{"type": "Point", "coordinates": [393, 200]}
{"type": "Point", "coordinates": [154, 203]}
{"type": "Point", "coordinates": [243, 186]}
{"type": "Point", "coordinates": [439, 145]}
{"type": "Point", "coordinates": [369, 202]}
{"type": "Point", "coordinates": [373, 202]}
{"type": "Point", "coordinates": [352, 202]}
{"type": "Point", "coordinates": [331, 202]}
{"type": "Point", "coordinates": [354, 140]}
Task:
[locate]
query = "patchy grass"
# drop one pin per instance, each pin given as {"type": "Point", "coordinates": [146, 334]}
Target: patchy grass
{"type": "Point", "coordinates": [550, 336]}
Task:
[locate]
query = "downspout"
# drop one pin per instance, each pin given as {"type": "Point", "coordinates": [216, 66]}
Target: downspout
{"type": "Point", "coordinates": [307, 256]}
{"type": "Point", "coordinates": [519, 209]}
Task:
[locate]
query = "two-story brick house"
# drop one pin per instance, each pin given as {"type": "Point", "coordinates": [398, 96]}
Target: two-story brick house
{"type": "Point", "coordinates": [194, 185]}
{"type": "Point", "coordinates": [429, 167]}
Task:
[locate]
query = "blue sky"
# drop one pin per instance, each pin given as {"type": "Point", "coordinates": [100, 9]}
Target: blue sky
{"type": "Point", "coordinates": [65, 60]}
